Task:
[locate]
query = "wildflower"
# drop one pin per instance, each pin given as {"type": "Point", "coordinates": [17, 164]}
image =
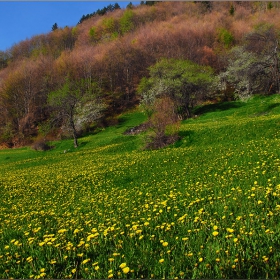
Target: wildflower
{"type": "Point", "coordinates": [165, 244]}
{"type": "Point", "coordinates": [235, 240]}
{"type": "Point", "coordinates": [62, 230]}
{"type": "Point", "coordinates": [111, 275]}
{"type": "Point", "coordinates": [215, 233]}
{"type": "Point", "coordinates": [122, 265]}
{"type": "Point", "coordinates": [215, 227]}
{"type": "Point", "coordinates": [230, 230]}
{"type": "Point", "coordinates": [200, 260]}
{"type": "Point", "coordinates": [126, 270]}
{"type": "Point", "coordinates": [96, 268]}
{"type": "Point", "coordinates": [85, 261]}
{"type": "Point", "coordinates": [161, 261]}
{"type": "Point", "coordinates": [73, 270]}
{"type": "Point", "coordinates": [29, 259]}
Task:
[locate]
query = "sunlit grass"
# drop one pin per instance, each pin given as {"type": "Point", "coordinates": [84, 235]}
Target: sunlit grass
{"type": "Point", "coordinates": [208, 207]}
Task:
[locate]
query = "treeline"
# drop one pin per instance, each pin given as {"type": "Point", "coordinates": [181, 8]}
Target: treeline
{"type": "Point", "coordinates": [100, 12]}
{"type": "Point", "coordinates": [99, 63]}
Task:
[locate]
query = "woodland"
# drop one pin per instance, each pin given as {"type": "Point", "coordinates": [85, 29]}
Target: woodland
{"type": "Point", "coordinates": [170, 55]}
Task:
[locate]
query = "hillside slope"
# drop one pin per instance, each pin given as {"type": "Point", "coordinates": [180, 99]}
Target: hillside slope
{"type": "Point", "coordinates": [206, 207]}
{"type": "Point", "coordinates": [108, 55]}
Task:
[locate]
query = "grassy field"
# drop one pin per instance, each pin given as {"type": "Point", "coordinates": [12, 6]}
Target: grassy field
{"type": "Point", "coordinates": [206, 207]}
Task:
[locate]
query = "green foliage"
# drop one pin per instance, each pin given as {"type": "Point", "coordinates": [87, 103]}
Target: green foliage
{"type": "Point", "coordinates": [126, 21]}
{"type": "Point", "coordinates": [208, 208]}
{"type": "Point", "coordinates": [108, 25]}
{"type": "Point", "coordinates": [225, 37]}
{"type": "Point", "coordinates": [182, 80]}
{"type": "Point", "coordinates": [76, 104]}
{"type": "Point", "coordinates": [231, 10]}
{"type": "Point", "coordinates": [92, 33]}
{"type": "Point", "coordinates": [269, 5]}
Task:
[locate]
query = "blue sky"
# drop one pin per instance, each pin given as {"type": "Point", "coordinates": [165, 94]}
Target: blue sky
{"type": "Point", "coordinates": [21, 20]}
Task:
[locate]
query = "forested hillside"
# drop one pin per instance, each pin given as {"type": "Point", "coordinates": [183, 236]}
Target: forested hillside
{"type": "Point", "coordinates": [76, 78]}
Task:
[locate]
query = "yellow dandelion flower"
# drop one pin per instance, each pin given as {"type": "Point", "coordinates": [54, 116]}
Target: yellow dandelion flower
{"type": "Point", "coordinates": [215, 233]}
{"type": "Point", "coordinates": [111, 275]}
{"type": "Point", "coordinates": [161, 261]}
{"type": "Point", "coordinates": [215, 227]}
{"type": "Point", "coordinates": [62, 230]}
{"type": "Point", "coordinates": [230, 230]}
{"type": "Point", "coordinates": [123, 265]}
{"type": "Point", "coordinates": [235, 240]}
{"type": "Point", "coordinates": [85, 261]}
{"type": "Point", "coordinates": [165, 244]}
{"type": "Point", "coordinates": [96, 267]}
{"type": "Point", "coordinates": [200, 260]}
{"type": "Point", "coordinates": [125, 270]}
{"type": "Point", "coordinates": [29, 259]}
{"type": "Point", "coordinates": [74, 270]}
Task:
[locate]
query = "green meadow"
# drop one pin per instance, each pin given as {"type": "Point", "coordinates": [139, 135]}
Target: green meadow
{"type": "Point", "coordinates": [207, 206]}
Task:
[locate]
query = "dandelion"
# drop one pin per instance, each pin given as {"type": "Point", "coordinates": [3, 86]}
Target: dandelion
{"type": "Point", "coordinates": [122, 265]}
{"type": "Point", "coordinates": [74, 270]}
{"type": "Point", "coordinates": [200, 260]}
{"type": "Point", "coordinates": [85, 261]}
{"type": "Point", "coordinates": [161, 261]}
{"type": "Point", "coordinates": [215, 233]}
{"type": "Point", "coordinates": [62, 230]}
{"type": "Point", "coordinates": [29, 259]}
{"type": "Point", "coordinates": [164, 244]}
{"type": "Point", "coordinates": [125, 270]}
{"type": "Point", "coordinates": [230, 230]}
{"type": "Point", "coordinates": [96, 267]}
{"type": "Point", "coordinates": [215, 227]}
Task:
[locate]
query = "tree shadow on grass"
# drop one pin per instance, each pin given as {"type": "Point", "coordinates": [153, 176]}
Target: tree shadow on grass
{"type": "Point", "coordinates": [223, 106]}
{"type": "Point", "coordinates": [185, 138]}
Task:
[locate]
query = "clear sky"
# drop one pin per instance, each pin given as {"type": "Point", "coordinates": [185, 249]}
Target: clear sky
{"type": "Point", "coordinates": [21, 20]}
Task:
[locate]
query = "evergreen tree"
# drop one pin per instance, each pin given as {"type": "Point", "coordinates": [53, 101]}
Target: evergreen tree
{"type": "Point", "coordinates": [54, 27]}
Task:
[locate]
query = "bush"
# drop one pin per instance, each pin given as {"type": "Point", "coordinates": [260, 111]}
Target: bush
{"type": "Point", "coordinates": [164, 124]}
{"type": "Point", "coordinates": [40, 145]}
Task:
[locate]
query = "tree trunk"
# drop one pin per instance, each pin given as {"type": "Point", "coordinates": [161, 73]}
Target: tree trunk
{"type": "Point", "coordinates": [74, 132]}
{"type": "Point", "coordinates": [75, 139]}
